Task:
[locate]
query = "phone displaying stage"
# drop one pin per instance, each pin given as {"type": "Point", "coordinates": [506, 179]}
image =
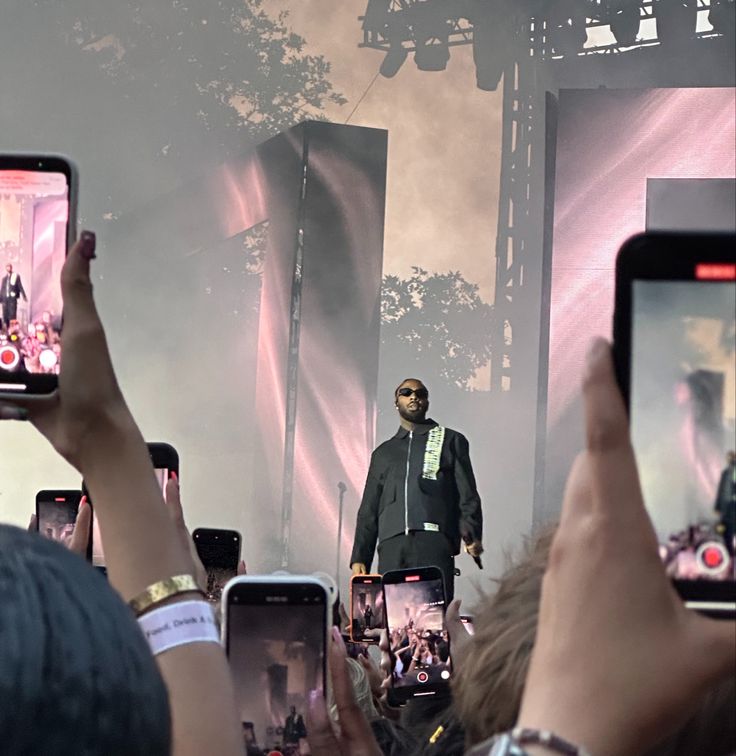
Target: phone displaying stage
{"type": "Point", "coordinates": [166, 464]}
{"type": "Point", "coordinates": [37, 223]}
{"type": "Point", "coordinates": [680, 378]}
{"type": "Point", "coordinates": [219, 552]}
{"type": "Point", "coordinates": [275, 631]}
{"type": "Point", "coordinates": [367, 617]}
{"type": "Point", "coordinates": [420, 647]}
{"type": "Point", "coordinates": [56, 513]}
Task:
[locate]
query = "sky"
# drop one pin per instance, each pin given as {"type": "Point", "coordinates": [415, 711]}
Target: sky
{"type": "Point", "coordinates": [444, 143]}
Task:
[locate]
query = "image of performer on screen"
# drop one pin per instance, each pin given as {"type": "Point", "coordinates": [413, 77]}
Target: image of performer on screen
{"type": "Point", "coordinates": [420, 498]}
{"type": "Point", "coordinates": [11, 288]}
{"type": "Point", "coordinates": [725, 505]}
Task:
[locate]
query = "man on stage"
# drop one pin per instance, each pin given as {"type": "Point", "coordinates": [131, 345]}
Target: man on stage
{"type": "Point", "coordinates": [11, 288]}
{"type": "Point", "coordinates": [420, 497]}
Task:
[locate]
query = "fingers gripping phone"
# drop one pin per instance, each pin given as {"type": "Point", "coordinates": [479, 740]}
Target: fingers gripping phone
{"type": "Point", "coordinates": [367, 618]}
{"type": "Point", "coordinates": [38, 201]}
{"type": "Point", "coordinates": [219, 552]}
{"type": "Point", "coordinates": [675, 357]}
{"type": "Point", "coordinates": [275, 631]}
{"type": "Point", "coordinates": [165, 461]}
{"type": "Point", "coordinates": [419, 644]}
{"type": "Point", "coordinates": [56, 513]}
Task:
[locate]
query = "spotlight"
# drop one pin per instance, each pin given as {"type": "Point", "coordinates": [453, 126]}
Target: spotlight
{"type": "Point", "coordinates": [432, 56]}
{"type": "Point", "coordinates": [492, 45]}
{"type": "Point", "coordinates": [722, 16]}
{"type": "Point", "coordinates": [393, 61]}
{"type": "Point", "coordinates": [9, 357]}
{"type": "Point", "coordinates": [676, 21]}
{"type": "Point", "coordinates": [623, 18]}
{"type": "Point", "coordinates": [431, 34]}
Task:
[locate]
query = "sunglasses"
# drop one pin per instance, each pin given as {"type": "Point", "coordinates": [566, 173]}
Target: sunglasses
{"type": "Point", "coordinates": [420, 393]}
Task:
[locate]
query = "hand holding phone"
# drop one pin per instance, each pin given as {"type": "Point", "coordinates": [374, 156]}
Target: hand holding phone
{"type": "Point", "coordinates": [367, 617]}
{"type": "Point", "coordinates": [275, 629]}
{"type": "Point", "coordinates": [38, 195]}
{"type": "Point", "coordinates": [675, 357]}
{"type": "Point", "coordinates": [415, 608]}
{"type": "Point", "coordinates": [219, 552]}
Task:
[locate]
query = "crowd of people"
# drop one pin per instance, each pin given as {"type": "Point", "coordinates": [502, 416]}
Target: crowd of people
{"type": "Point", "coordinates": [583, 637]}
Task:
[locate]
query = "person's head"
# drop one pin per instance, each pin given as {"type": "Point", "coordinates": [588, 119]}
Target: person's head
{"type": "Point", "coordinates": [292, 710]}
{"type": "Point", "coordinates": [361, 688]}
{"type": "Point", "coordinates": [487, 692]}
{"type": "Point", "coordinates": [412, 400]}
{"type": "Point", "coordinates": [731, 457]}
{"type": "Point", "coordinates": [76, 674]}
{"type": "Point", "coordinates": [9, 268]}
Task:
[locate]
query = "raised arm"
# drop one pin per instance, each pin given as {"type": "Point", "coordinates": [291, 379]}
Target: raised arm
{"type": "Point", "coordinates": [89, 424]}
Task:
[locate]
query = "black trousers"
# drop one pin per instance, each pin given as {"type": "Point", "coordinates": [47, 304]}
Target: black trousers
{"type": "Point", "coordinates": [420, 548]}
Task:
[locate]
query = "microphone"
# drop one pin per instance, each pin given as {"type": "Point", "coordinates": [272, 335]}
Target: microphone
{"type": "Point", "coordinates": [341, 487]}
{"type": "Point", "coordinates": [468, 540]}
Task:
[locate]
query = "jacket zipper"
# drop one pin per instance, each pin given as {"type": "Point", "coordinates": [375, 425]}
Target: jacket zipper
{"type": "Point", "coordinates": [406, 486]}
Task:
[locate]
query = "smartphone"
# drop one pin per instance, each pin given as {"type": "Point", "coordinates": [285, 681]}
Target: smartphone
{"type": "Point", "coordinates": [38, 203]}
{"type": "Point", "coordinates": [414, 602]}
{"type": "Point", "coordinates": [367, 617]}
{"type": "Point", "coordinates": [219, 552]}
{"type": "Point", "coordinates": [467, 621]}
{"type": "Point", "coordinates": [355, 648]}
{"type": "Point", "coordinates": [675, 355]}
{"type": "Point", "coordinates": [56, 513]}
{"type": "Point", "coordinates": [275, 630]}
{"type": "Point", "coordinates": [165, 463]}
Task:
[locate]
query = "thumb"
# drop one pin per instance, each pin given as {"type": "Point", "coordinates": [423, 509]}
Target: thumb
{"type": "Point", "coordinates": [82, 526]}
{"type": "Point", "coordinates": [76, 287]}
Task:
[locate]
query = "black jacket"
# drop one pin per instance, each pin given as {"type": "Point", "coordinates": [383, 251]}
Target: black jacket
{"type": "Point", "coordinates": [449, 504]}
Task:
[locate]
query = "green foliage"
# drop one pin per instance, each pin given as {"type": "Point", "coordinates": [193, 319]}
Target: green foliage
{"type": "Point", "coordinates": [435, 324]}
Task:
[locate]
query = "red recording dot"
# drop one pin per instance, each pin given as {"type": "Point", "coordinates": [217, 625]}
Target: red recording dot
{"type": "Point", "coordinates": [712, 557]}
{"type": "Point", "coordinates": [7, 357]}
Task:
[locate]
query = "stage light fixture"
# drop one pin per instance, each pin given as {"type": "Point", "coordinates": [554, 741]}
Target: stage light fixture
{"type": "Point", "coordinates": [566, 32]}
{"type": "Point", "coordinates": [431, 34]}
{"type": "Point", "coordinates": [493, 44]}
{"type": "Point", "coordinates": [624, 20]}
{"type": "Point", "coordinates": [722, 16]}
{"type": "Point", "coordinates": [393, 61]}
{"type": "Point", "coordinates": [676, 21]}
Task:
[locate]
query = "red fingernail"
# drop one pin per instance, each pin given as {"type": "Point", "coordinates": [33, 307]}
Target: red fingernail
{"type": "Point", "coordinates": [88, 244]}
{"type": "Point", "coordinates": [174, 476]}
{"type": "Point", "coordinates": [82, 502]}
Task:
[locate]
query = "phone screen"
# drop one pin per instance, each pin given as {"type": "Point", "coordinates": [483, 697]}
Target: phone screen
{"type": "Point", "coordinates": [415, 610]}
{"type": "Point", "coordinates": [56, 513]}
{"type": "Point", "coordinates": [366, 608]}
{"type": "Point", "coordinates": [34, 227]}
{"type": "Point", "coordinates": [98, 552]}
{"type": "Point", "coordinates": [683, 418]}
{"type": "Point", "coordinates": [276, 640]}
{"type": "Point", "coordinates": [219, 552]}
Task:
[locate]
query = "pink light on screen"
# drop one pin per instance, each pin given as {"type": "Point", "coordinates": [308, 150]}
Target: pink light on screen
{"type": "Point", "coordinates": [609, 144]}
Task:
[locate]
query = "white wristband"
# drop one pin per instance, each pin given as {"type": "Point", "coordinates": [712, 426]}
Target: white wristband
{"type": "Point", "coordinates": [177, 624]}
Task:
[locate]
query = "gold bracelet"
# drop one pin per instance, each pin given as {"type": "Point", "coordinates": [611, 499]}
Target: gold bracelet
{"type": "Point", "coordinates": [164, 589]}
